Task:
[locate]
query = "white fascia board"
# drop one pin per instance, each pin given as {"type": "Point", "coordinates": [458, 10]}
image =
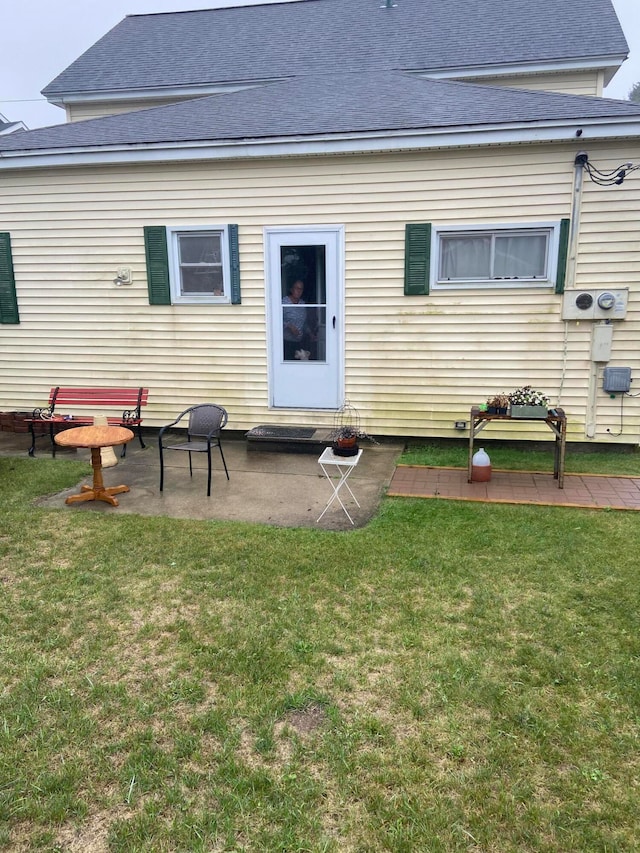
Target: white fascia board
{"type": "Point", "coordinates": [347, 143]}
{"type": "Point", "coordinates": [155, 92]}
{"type": "Point", "coordinates": [610, 63]}
{"type": "Point", "coordinates": [13, 126]}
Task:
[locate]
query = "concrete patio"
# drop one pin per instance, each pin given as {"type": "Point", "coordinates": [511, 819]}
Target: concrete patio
{"type": "Point", "coordinates": [290, 490]}
{"type": "Point", "coordinates": [282, 489]}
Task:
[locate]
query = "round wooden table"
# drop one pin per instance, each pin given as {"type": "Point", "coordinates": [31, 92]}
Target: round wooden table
{"type": "Point", "coordinates": [95, 438]}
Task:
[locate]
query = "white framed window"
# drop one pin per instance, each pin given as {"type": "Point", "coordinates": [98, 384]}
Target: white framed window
{"type": "Point", "coordinates": [199, 268]}
{"type": "Point", "coordinates": [502, 255]}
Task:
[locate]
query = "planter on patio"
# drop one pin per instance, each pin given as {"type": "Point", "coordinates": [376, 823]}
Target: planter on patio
{"type": "Point", "coordinates": [346, 445]}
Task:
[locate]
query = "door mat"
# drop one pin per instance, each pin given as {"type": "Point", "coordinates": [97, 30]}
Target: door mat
{"type": "Point", "coordinates": [288, 439]}
{"type": "Point", "coordinates": [281, 432]}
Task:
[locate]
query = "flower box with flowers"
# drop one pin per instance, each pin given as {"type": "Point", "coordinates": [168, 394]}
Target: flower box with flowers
{"type": "Point", "coordinates": [526, 402]}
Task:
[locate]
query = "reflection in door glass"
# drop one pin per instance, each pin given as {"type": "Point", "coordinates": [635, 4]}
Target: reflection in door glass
{"type": "Point", "coordinates": [303, 282]}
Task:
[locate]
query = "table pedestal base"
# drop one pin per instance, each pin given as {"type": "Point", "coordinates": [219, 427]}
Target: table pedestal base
{"type": "Point", "coordinates": [90, 493]}
{"type": "Point", "coordinates": [97, 492]}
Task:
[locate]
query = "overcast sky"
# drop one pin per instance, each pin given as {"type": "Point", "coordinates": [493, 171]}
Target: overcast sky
{"type": "Point", "coordinates": [40, 38]}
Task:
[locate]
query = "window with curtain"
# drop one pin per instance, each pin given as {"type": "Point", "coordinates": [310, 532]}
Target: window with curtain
{"type": "Point", "coordinates": [501, 255]}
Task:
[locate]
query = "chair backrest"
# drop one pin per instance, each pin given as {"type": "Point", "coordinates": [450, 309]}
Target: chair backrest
{"type": "Point", "coordinates": [206, 419]}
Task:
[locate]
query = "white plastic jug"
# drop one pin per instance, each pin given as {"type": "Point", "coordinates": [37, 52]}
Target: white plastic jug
{"type": "Point", "coordinates": [480, 467]}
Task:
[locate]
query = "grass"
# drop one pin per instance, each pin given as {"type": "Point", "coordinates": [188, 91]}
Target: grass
{"type": "Point", "coordinates": [454, 677]}
{"type": "Point", "coordinates": [515, 458]}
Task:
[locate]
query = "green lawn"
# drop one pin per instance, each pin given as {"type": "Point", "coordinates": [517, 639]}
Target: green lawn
{"type": "Point", "coordinates": [454, 677]}
{"type": "Point", "coordinates": [512, 457]}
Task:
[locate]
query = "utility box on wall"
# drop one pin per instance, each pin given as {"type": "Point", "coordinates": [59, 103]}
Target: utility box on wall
{"type": "Point", "coordinates": [601, 341]}
{"type": "Point", "coordinates": [616, 380]}
{"type": "Point", "coordinates": [595, 304]}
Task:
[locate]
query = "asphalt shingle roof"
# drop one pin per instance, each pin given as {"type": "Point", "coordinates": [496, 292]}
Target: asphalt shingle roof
{"type": "Point", "coordinates": [310, 37]}
{"type": "Point", "coordinates": [325, 104]}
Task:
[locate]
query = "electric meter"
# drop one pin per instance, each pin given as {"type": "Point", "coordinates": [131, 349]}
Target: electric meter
{"type": "Point", "coordinates": [584, 301]}
{"type": "Point", "coordinates": [606, 300]}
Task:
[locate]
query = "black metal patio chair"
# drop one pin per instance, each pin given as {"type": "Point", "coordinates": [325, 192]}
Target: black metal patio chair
{"type": "Point", "coordinates": [206, 422]}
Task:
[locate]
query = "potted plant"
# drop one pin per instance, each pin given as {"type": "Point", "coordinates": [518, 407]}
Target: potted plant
{"type": "Point", "coordinates": [347, 432]}
{"type": "Point", "coordinates": [498, 404]}
{"type": "Point", "coordinates": [526, 402]}
{"type": "Point", "coordinates": [345, 441]}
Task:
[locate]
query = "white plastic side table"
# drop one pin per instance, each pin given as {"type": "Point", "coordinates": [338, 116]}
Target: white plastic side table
{"type": "Point", "coordinates": [345, 466]}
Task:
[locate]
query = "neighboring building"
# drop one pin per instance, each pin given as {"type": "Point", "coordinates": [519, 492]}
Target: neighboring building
{"type": "Point", "coordinates": [412, 163]}
{"type": "Point", "coordinates": [7, 126]}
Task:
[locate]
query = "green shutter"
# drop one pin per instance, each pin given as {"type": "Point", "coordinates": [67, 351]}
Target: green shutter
{"type": "Point", "coordinates": [8, 298]}
{"type": "Point", "coordinates": [417, 257]}
{"type": "Point", "coordinates": [563, 249]}
{"type": "Point", "coordinates": [155, 246]}
{"type": "Point", "coordinates": [234, 263]}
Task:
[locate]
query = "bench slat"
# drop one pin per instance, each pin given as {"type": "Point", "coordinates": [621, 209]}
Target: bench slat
{"type": "Point", "coordinates": [128, 399]}
{"type": "Point", "coordinates": [98, 396]}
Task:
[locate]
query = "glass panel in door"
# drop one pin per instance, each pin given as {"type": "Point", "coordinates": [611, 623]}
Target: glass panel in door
{"type": "Point", "coordinates": [304, 297]}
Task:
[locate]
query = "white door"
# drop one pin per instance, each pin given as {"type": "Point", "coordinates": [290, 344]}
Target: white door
{"type": "Point", "coordinates": [305, 285]}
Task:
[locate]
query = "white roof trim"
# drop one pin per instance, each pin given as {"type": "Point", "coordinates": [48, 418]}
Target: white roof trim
{"type": "Point", "coordinates": [155, 92]}
{"type": "Point", "coordinates": [345, 143]}
{"type": "Point", "coordinates": [12, 127]}
{"type": "Point", "coordinates": [610, 64]}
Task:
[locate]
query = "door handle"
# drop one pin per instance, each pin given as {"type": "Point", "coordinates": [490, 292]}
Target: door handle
{"type": "Point", "coordinates": [334, 322]}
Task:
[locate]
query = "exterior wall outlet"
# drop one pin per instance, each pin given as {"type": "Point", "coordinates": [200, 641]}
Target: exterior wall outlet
{"type": "Point", "coordinates": [123, 276]}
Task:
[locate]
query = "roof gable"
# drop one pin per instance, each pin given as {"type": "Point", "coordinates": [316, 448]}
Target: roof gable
{"type": "Point", "coordinates": [325, 105]}
{"type": "Point", "coordinates": [254, 43]}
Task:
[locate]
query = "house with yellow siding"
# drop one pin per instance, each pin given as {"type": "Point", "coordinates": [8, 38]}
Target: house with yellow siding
{"type": "Point", "coordinates": [458, 200]}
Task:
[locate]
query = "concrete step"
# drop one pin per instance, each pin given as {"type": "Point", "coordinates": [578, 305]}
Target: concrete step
{"type": "Point", "coordinates": [288, 439]}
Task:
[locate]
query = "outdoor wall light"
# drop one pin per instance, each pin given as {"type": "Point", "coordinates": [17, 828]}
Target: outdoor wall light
{"type": "Point", "coordinates": [123, 276]}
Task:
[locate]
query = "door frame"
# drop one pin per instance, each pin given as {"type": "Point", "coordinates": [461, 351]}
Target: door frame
{"type": "Point", "coordinates": [338, 233]}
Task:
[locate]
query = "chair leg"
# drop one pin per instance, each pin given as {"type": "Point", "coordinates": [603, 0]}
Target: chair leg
{"type": "Point", "coordinates": [209, 471]}
{"type": "Point", "coordinates": [190, 467]}
{"type": "Point", "coordinates": [32, 430]}
{"type": "Point", "coordinates": [223, 459]}
{"type": "Point", "coordinates": [161, 465]}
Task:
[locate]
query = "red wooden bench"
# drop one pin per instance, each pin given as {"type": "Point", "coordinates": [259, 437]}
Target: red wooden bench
{"type": "Point", "coordinates": [129, 399]}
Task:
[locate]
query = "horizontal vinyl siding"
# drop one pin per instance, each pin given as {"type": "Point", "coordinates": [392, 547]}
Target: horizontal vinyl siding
{"type": "Point", "coordinates": [414, 365]}
{"type": "Point", "coordinates": [570, 83]}
{"type": "Point", "coordinates": [98, 109]}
